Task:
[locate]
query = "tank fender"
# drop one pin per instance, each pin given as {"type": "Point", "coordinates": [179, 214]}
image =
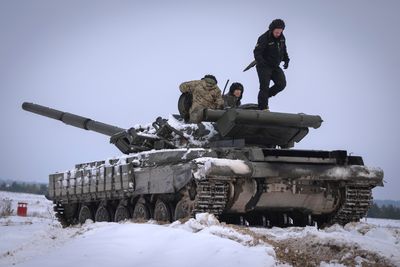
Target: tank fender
{"type": "Point", "coordinates": [206, 166]}
{"type": "Point", "coordinates": [162, 179]}
{"type": "Point", "coordinates": [373, 176]}
{"type": "Point", "coordinates": [182, 176]}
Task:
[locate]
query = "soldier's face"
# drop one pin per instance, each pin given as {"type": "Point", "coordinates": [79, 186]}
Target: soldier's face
{"type": "Point", "coordinates": [237, 93]}
{"type": "Point", "coordinates": [277, 32]}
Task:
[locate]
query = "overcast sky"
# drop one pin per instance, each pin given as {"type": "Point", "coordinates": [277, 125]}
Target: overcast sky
{"type": "Point", "coordinates": [121, 62]}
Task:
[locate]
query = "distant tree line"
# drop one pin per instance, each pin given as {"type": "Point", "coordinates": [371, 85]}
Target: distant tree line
{"type": "Point", "coordinates": [380, 202]}
{"type": "Point", "coordinates": [23, 187]}
{"type": "Point", "coordinates": [384, 211]}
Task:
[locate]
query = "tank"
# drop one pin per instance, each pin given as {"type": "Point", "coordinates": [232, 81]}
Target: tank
{"type": "Point", "coordinates": [238, 164]}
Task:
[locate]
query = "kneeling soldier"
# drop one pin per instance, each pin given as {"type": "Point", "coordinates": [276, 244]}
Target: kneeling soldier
{"type": "Point", "coordinates": [205, 94]}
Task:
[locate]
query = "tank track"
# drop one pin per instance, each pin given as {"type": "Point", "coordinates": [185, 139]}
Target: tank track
{"type": "Point", "coordinates": [60, 214]}
{"type": "Point", "coordinates": [211, 197]}
{"type": "Point", "coordinates": [355, 206]}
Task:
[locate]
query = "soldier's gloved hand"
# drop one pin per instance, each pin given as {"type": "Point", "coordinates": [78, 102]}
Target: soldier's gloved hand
{"type": "Point", "coordinates": [286, 65]}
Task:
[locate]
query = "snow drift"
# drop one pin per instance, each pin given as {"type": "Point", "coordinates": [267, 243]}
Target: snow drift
{"type": "Point", "coordinates": [39, 240]}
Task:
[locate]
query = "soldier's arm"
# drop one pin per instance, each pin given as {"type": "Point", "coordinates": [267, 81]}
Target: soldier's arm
{"type": "Point", "coordinates": [219, 101]}
{"type": "Point", "coordinates": [285, 53]}
{"type": "Point", "coordinates": [259, 49]}
{"type": "Point", "coordinates": [187, 87]}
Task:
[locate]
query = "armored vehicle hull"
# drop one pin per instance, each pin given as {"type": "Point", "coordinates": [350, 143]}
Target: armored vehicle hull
{"type": "Point", "coordinates": [236, 165]}
{"type": "Point", "coordinates": [264, 187]}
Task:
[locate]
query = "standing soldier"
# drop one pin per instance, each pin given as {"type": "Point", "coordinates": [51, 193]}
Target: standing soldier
{"type": "Point", "coordinates": [205, 94]}
{"type": "Point", "coordinates": [269, 52]}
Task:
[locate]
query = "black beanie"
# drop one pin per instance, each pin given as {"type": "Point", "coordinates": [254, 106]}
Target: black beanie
{"type": "Point", "coordinates": [236, 86]}
{"type": "Point", "coordinates": [212, 77]}
{"type": "Point", "coordinates": [277, 24]}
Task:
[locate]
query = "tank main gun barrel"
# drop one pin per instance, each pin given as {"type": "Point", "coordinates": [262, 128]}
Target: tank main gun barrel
{"type": "Point", "coordinates": [126, 140]}
{"type": "Point", "coordinates": [72, 119]}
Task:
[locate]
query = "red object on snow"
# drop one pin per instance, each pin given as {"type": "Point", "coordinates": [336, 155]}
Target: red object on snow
{"type": "Point", "coordinates": [22, 208]}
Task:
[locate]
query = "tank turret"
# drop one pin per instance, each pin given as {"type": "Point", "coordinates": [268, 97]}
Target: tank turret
{"type": "Point", "coordinates": [263, 128]}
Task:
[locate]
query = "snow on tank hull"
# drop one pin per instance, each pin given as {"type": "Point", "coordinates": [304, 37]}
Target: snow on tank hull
{"type": "Point", "coordinates": [174, 184]}
{"type": "Point", "coordinates": [297, 193]}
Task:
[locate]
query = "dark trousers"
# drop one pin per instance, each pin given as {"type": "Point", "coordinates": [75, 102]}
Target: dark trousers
{"type": "Point", "coordinates": [265, 75]}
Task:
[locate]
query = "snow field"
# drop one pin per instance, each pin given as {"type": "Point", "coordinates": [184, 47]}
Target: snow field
{"type": "Point", "coordinates": [39, 240]}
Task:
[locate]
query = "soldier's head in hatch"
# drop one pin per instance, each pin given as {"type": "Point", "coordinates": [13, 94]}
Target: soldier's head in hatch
{"type": "Point", "coordinates": [236, 89]}
{"type": "Point", "coordinates": [276, 27]}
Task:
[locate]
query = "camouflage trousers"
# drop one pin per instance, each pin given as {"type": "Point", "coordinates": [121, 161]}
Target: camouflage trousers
{"type": "Point", "coordinates": [196, 115]}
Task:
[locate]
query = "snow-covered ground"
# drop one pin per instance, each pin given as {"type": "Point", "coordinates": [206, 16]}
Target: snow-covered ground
{"type": "Point", "coordinates": [39, 240]}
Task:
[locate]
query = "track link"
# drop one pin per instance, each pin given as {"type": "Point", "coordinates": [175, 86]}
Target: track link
{"type": "Point", "coordinates": [60, 214]}
{"type": "Point", "coordinates": [211, 197]}
{"type": "Point", "coordinates": [358, 199]}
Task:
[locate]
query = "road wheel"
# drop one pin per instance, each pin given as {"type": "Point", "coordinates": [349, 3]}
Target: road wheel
{"type": "Point", "coordinates": [122, 213]}
{"type": "Point", "coordinates": [102, 214]}
{"type": "Point", "coordinates": [162, 211]}
{"type": "Point", "coordinates": [141, 211]}
{"type": "Point", "coordinates": [183, 209]}
{"type": "Point", "coordinates": [84, 214]}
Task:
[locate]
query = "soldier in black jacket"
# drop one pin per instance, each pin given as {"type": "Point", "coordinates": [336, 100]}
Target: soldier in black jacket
{"type": "Point", "coordinates": [233, 97]}
{"type": "Point", "coordinates": [269, 52]}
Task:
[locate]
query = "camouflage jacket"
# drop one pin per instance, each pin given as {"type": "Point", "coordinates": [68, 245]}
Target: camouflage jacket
{"type": "Point", "coordinates": [206, 94]}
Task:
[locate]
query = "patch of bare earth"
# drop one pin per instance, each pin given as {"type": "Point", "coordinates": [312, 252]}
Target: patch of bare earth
{"type": "Point", "coordinates": [312, 251]}
{"type": "Point", "coordinates": [309, 251]}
